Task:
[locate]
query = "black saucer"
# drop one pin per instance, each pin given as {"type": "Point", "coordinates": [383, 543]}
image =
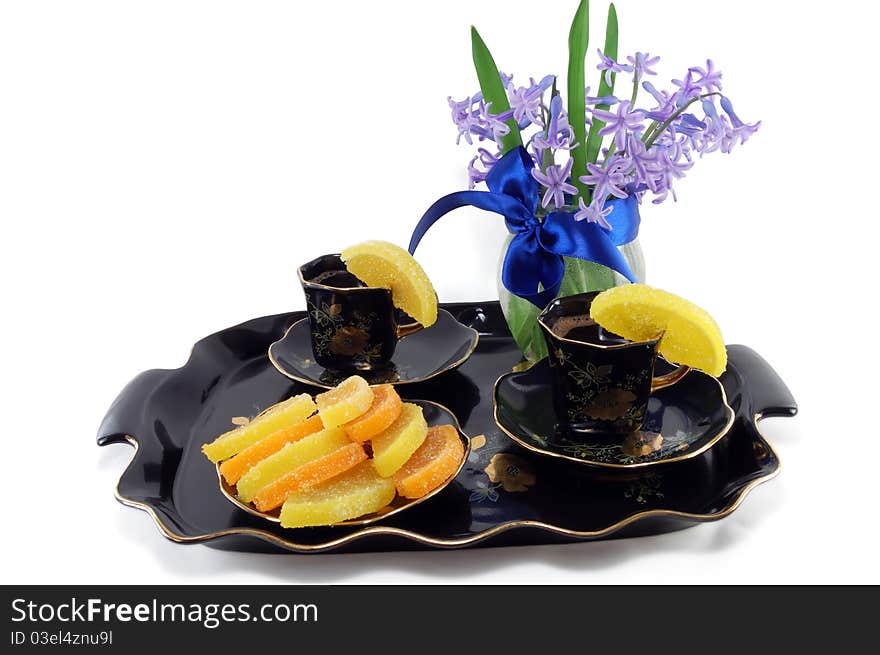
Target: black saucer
{"type": "Point", "coordinates": [418, 357]}
{"type": "Point", "coordinates": [682, 421]}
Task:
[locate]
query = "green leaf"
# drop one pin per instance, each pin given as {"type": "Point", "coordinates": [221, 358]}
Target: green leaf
{"type": "Point", "coordinates": [578, 41]}
{"type": "Point", "coordinates": [594, 141]}
{"type": "Point", "coordinates": [522, 318]}
{"type": "Point", "coordinates": [493, 89]}
{"type": "Point", "coordinates": [582, 275]}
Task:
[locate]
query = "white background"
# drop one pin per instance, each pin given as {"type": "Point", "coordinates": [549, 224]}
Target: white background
{"type": "Point", "coordinates": [165, 166]}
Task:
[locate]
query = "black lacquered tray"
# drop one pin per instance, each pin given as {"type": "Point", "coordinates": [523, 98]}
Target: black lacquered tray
{"type": "Point", "coordinates": [504, 494]}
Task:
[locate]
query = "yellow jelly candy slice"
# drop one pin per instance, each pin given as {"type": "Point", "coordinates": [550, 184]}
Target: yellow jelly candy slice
{"type": "Point", "coordinates": [383, 264]}
{"type": "Point", "coordinates": [235, 467]}
{"type": "Point", "coordinates": [395, 445]}
{"type": "Point", "coordinates": [638, 312]}
{"type": "Point", "coordinates": [345, 402]}
{"type": "Point", "coordinates": [292, 456]}
{"type": "Point", "coordinates": [274, 418]}
{"type": "Point", "coordinates": [356, 492]}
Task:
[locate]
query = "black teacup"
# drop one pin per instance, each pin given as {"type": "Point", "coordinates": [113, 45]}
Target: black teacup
{"type": "Point", "coordinates": [353, 327]}
{"type": "Point", "coordinates": [601, 382]}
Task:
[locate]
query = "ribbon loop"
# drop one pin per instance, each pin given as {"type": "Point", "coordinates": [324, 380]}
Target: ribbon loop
{"type": "Point", "coordinates": [533, 266]}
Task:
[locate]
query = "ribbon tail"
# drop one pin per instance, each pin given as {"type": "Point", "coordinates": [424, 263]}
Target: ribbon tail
{"type": "Point", "coordinates": [507, 206]}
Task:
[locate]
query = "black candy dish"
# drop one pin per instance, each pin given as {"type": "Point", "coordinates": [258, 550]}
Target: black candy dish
{"type": "Point", "coordinates": [434, 414]}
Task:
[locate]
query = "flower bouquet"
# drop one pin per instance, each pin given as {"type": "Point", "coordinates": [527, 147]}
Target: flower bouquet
{"type": "Point", "coordinates": [569, 175]}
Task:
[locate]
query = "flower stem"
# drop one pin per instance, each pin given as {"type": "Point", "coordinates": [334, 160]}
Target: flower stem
{"type": "Point", "coordinates": [548, 157]}
{"type": "Point", "coordinates": [649, 141]}
{"type": "Point", "coordinates": [632, 98]}
{"type": "Point", "coordinates": [649, 131]}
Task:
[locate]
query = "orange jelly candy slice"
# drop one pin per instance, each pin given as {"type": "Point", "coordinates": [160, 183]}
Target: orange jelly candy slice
{"type": "Point", "coordinates": [383, 412]}
{"type": "Point", "coordinates": [309, 475]}
{"type": "Point", "coordinates": [436, 459]}
{"type": "Point", "coordinates": [395, 445]}
{"type": "Point", "coordinates": [345, 402]}
{"type": "Point", "coordinates": [274, 418]}
{"type": "Point", "coordinates": [233, 469]}
{"type": "Point", "coordinates": [289, 458]}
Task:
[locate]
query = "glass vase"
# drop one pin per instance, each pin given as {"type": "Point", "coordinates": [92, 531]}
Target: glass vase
{"type": "Point", "coordinates": [580, 276]}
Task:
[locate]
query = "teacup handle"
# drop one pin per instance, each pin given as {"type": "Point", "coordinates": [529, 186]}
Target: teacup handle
{"type": "Point", "coordinates": [661, 381]}
{"type": "Point", "coordinates": [408, 329]}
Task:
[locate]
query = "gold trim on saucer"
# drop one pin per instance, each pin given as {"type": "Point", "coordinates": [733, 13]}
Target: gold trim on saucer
{"type": "Point", "coordinates": [438, 542]}
{"type": "Point", "coordinates": [316, 383]}
{"type": "Point", "coordinates": [397, 505]}
{"type": "Point", "coordinates": [731, 415]}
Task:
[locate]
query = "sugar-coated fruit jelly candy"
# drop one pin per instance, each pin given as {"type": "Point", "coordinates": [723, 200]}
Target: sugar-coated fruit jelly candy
{"type": "Point", "coordinates": [290, 457]}
{"type": "Point", "coordinates": [386, 265]}
{"type": "Point", "coordinates": [396, 444]}
{"type": "Point", "coordinates": [689, 335]}
{"type": "Point", "coordinates": [356, 492]}
{"type": "Point", "coordinates": [274, 418]}
{"type": "Point", "coordinates": [232, 469]}
{"type": "Point", "coordinates": [436, 459]}
{"type": "Point", "coordinates": [382, 413]}
{"type": "Point", "coordinates": [345, 402]}
{"type": "Point", "coordinates": [309, 475]}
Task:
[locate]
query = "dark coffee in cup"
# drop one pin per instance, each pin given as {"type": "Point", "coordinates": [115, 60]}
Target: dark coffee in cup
{"type": "Point", "coordinates": [601, 382]}
{"type": "Point", "coordinates": [353, 327]}
{"type": "Point", "coordinates": [581, 327]}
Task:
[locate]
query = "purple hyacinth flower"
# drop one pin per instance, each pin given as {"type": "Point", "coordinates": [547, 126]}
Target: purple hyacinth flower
{"type": "Point", "coordinates": [595, 212]}
{"type": "Point", "coordinates": [526, 101]}
{"type": "Point", "coordinates": [642, 64]}
{"type": "Point", "coordinates": [608, 179]}
{"type": "Point", "coordinates": [610, 66]}
{"type": "Point", "coordinates": [555, 180]}
{"type": "Point", "coordinates": [558, 134]}
{"type": "Point", "coordinates": [463, 117]}
{"type": "Point", "coordinates": [710, 79]}
{"type": "Point", "coordinates": [535, 149]}
{"type": "Point", "coordinates": [475, 175]}
{"type": "Point", "coordinates": [707, 135]}
{"type": "Point", "coordinates": [690, 125]}
{"type": "Point", "coordinates": [687, 89]}
{"type": "Point", "coordinates": [672, 163]}
{"type": "Point", "coordinates": [599, 100]}
{"type": "Point", "coordinates": [488, 160]}
{"type": "Point", "coordinates": [494, 124]}
{"type": "Point", "coordinates": [620, 122]}
{"type": "Point", "coordinates": [741, 131]}
{"type": "Point", "coordinates": [643, 159]}
{"type": "Point", "coordinates": [666, 104]}
{"type": "Point", "coordinates": [672, 157]}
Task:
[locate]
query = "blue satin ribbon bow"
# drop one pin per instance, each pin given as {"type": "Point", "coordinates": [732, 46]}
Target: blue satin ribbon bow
{"type": "Point", "coordinates": [533, 266]}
